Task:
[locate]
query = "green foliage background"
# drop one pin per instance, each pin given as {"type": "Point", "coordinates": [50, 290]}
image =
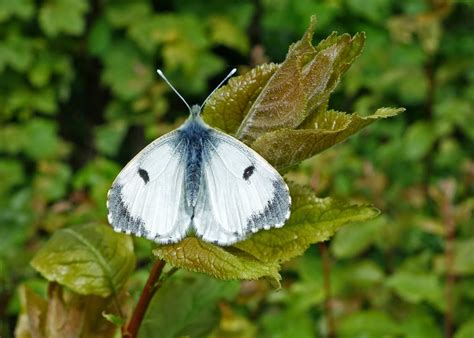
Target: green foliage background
{"type": "Point", "coordinates": [79, 97]}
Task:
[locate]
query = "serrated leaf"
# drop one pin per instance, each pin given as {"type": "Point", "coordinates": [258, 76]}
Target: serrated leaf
{"type": "Point", "coordinates": [312, 220]}
{"type": "Point", "coordinates": [195, 255]}
{"type": "Point", "coordinates": [227, 107]}
{"type": "Point", "coordinates": [287, 147]}
{"type": "Point", "coordinates": [280, 104]}
{"type": "Point", "coordinates": [302, 83]}
{"type": "Point", "coordinates": [186, 307]}
{"type": "Point", "coordinates": [89, 259]}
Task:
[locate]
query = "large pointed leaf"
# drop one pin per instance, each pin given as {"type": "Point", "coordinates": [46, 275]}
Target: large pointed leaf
{"type": "Point", "coordinates": [312, 220]}
{"type": "Point", "coordinates": [224, 263]}
{"type": "Point", "coordinates": [227, 107]}
{"type": "Point", "coordinates": [186, 306]}
{"type": "Point", "coordinates": [286, 147]}
{"type": "Point", "coordinates": [89, 259]}
{"type": "Point", "coordinates": [281, 103]}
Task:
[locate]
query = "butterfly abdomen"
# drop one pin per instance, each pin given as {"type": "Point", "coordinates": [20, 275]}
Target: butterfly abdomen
{"type": "Point", "coordinates": [195, 135]}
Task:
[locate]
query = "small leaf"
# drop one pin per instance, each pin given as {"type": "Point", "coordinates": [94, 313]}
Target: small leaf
{"type": "Point", "coordinates": [464, 257]}
{"type": "Point", "coordinates": [195, 255]}
{"type": "Point", "coordinates": [89, 259]}
{"type": "Point", "coordinates": [370, 324]}
{"type": "Point", "coordinates": [63, 16]}
{"type": "Point", "coordinates": [417, 287]}
{"type": "Point", "coordinates": [312, 220]}
{"type": "Point", "coordinates": [350, 241]}
{"type": "Point", "coordinates": [287, 147]}
{"type": "Point", "coordinates": [186, 307]}
{"type": "Point", "coordinates": [114, 319]}
{"type": "Point", "coordinates": [466, 330]}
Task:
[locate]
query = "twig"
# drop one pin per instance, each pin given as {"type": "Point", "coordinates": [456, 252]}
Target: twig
{"type": "Point", "coordinates": [331, 330]}
{"type": "Point", "coordinates": [151, 286]}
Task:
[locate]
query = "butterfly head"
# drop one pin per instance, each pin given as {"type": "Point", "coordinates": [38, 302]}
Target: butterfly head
{"type": "Point", "coordinates": [195, 111]}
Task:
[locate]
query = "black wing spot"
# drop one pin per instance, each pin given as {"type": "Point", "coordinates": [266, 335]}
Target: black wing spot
{"type": "Point", "coordinates": [144, 175]}
{"type": "Point", "coordinates": [248, 172]}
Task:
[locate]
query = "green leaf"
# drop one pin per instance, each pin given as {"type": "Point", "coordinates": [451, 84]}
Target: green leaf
{"type": "Point", "coordinates": [108, 138]}
{"type": "Point", "coordinates": [22, 8]}
{"type": "Point", "coordinates": [89, 259]}
{"type": "Point", "coordinates": [464, 257]}
{"type": "Point", "coordinates": [186, 307]}
{"type": "Point", "coordinates": [43, 141]}
{"type": "Point", "coordinates": [287, 147]}
{"type": "Point", "coordinates": [287, 323]}
{"type": "Point", "coordinates": [420, 323]}
{"type": "Point", "coordinates": [351, 241]}
{"type": "Point", "coordinates": [367, 324]}
{"type": "Point", "coordinates": [312, 220]}
{"type": "Point", "coordinates": [125, 71]}
{"type": "Point", "coordinates": [11, 174]}
{"type": "Point", "coordinates": [466, 330]}
{"type": "Point", "coordinates": [419, 139]}
{"type": "Point", "coordinates": [114, 319]}
{"type": "Point", "coordinates": [195, 255]}
{"type": "Point", "coordinates": [224, 32]}
{"type": "Point", "coordinates": [63, 16]}
{"type": "Point", "coordinates": [417, 287]}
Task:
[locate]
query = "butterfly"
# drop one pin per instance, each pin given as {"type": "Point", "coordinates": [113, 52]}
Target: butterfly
{"type": "Point", "coordinates": [197, 181]}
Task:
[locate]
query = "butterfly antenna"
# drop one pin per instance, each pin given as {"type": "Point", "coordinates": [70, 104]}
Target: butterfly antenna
{"type": "Point", "coordinates": [232, 72]}
{"type": "Point", "coordinates": [160, 73]}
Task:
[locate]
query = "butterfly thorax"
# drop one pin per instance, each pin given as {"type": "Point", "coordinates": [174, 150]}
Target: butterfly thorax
{"type": "Point", "coordinates": [195, 134]}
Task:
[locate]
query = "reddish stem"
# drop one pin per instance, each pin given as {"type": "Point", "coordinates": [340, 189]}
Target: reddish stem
{"type": "Point", "coordinates": [327, 289]}
{"type": "Point", "coordinates": [151, 286]}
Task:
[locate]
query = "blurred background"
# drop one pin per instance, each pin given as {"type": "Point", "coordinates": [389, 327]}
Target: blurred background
{"type": "Point", "coordinates": [79, 96]}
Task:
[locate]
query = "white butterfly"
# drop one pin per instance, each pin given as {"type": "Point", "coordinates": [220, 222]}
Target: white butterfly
{"type": "Point", "coordinates": [197, 180]}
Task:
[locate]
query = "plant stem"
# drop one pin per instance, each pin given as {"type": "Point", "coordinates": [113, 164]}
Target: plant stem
{"type": "Point", "coordinates": [331, 332]}
{"type": "Point", "coordinates": [151, 286]}
{"type": "Point", "coordinates": [450, 226]}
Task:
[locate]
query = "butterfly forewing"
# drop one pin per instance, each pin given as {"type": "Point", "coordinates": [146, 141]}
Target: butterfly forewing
{"type": "Point", "coordinates": [240, 192]}
{"type": "Point", "coordinates": [147, 197]}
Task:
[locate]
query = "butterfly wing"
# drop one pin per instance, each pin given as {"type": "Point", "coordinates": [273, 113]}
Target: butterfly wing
{"type": "Point", "coordinates": [240, 192]}
{"type": "Point", "coordinates": [147, 197]}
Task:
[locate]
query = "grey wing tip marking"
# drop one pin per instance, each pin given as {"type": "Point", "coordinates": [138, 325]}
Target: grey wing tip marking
{"type": "Point", "coordinates": [276, 213]}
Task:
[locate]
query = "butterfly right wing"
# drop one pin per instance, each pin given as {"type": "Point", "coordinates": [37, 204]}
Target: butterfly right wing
{"type": "Point", "coordinates": [147, 198]}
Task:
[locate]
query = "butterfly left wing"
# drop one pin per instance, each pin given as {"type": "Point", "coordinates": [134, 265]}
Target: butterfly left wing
{"type": "Point", "coordinates": [240, 192]}
{"type": "Point", "coordinates": [147, 198]}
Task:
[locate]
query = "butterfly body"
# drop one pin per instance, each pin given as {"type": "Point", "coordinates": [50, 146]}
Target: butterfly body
{"type": "Point", "coordinates": [197, 180]}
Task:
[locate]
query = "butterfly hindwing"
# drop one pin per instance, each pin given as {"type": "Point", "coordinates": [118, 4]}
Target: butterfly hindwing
{"type": "Point", "coordinates": [240, 192]}
{"type": "Point", "coordinates": [147, 197]}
